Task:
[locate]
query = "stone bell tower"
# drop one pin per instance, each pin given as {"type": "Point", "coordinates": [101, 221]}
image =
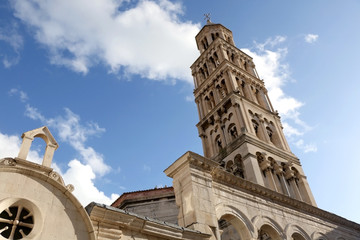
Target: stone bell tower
{"type": "Point", "coordinates": [249, 185]}
{"type": "Point", "coordinates": [238, 126]}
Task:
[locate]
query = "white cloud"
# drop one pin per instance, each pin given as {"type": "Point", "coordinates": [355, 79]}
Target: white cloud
{"type": "Point", "coordinates": [9, 34]}
{"type": "Point", "coordinates": [22, 95]}
{"type": "Point", "coordinates": [275, 72]}
{"type": "Point", "coordinates": [82, 176]}
{"type": "Point", "coordinates": [306, 147]}
{"type": "Point", "coordinates": [269, 60]}
{"type": "Point", "coordinates": [311, 38]}
{"type": "Point", "coordinates": [148, 39]}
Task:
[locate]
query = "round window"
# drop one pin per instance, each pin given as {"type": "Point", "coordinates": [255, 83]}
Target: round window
{"type": "Point", "coordinates": [16, 222]}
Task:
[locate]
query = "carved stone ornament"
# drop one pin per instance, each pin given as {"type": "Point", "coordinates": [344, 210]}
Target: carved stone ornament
{"type": "Point", "coordinates": [9, 162]}
{"type": "Point", "coordinates": [70, 187]}
{"type": "Point", "coordinates": [54, 175]}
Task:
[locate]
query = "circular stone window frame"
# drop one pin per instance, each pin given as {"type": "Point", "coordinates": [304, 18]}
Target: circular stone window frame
{"type": "Point", "coordinates": [37, 216]}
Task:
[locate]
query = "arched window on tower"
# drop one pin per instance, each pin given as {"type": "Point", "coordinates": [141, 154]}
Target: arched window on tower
{"type": "Point", "coordinates": [232, 58]}
{"type": "Point", "coordinates": [213, 62]}
{"type": "Point", "coordinates": [208, 103]}
{"type": "Point", "coordinates": [269, 133]}
{"type": "Point", "coordinates": [212, 100]}
{"type": "Point", "coordinates": [224, 88]}
{"type": "Point", "coordinates": [239, 167]}
{"type": "Point", "coordinates": [229, 166]}
{"type": "Point", "coordinates": [206, 70]}
{"type": "Point", "coordinates": [218, 143]}
{"type": "Point", "coordinates": [204, 45]}
{"type": "Point", "coordinates": [216, 58]}
{"type": "Point", "coordinates": [273, 135]}
{"type": "Point", "coordinates": [233, 131]}
{"type": "Point", "coordinates": [202, 73]}
{"type": "Point", "coordinates": [255, 126]}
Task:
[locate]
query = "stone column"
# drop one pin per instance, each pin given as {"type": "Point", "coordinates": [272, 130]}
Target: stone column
{"type": "Point", "coordinates": [203, 141]}
{"type": "Point", "coordinates": [230, 83]}
{"type": "Point", "coordinates": [25, 147]}
{"type": "Point", "coordinates": [262, 100]}
{"type": "Point", "coordinates": [282, 139]}
{"type": "Point", "coordinates": [222, 55]}
{"type": "Point", "coordinates": [226, 135]}
{"type": "Point", "coordinates": [265, 166]}
{"type": "Point", "coordinates": [296, 189]}
{"type": "Point", "coordinates": [305, 191]}
{"type": "Point", "coordinates": [200, 112]}
{"type": "Point", "coordinates": [48, 156]}
{"type": "Point", "coordinates": [263, 130]}
{"type": "Point", "coordinates": [216, 93]}
{"type": "Point", "coordinates": [268, 100]}
{"type": "Point", "coordinates": [248, 92]}
{"type": "Point", "coordinates": [279, 172]}
{"type": "Point", "coordinates": [252, 169]}
{"type": "Point", "coordinates": [239, 117]}
{"type": "Point", "coordinates": [212, 144]}
{"type": "Point", "coordinates": [204, 105]}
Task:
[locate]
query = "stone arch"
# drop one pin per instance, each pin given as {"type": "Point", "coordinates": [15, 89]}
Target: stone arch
{"type": "Point", "coordinates": [238, 219]}
{"type": "Point", "coordinates": [318, 236]}
{"type": "Point", "coordinates": [269, 225]}
{"type": "Point", "coordinates": [43, 133]}
{"type": "Point", "coordinates": [296, 232]}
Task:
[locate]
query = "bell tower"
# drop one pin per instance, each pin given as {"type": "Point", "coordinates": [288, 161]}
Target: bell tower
{"type": "Point", "coordinates": [238, 126]}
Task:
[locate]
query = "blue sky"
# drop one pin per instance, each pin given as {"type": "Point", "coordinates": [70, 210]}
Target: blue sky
{"type": "Point", "coordinates": [111, 80]}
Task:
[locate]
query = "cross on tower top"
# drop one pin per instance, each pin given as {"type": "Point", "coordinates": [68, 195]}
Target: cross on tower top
{"type": "Point", "coordinates": [207, 17]}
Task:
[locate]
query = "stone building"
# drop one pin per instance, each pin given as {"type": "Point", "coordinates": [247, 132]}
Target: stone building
{"type": "Point", "coordinates": [248, 184]}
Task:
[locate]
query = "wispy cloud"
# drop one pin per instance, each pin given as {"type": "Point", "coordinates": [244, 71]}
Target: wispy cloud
{"type": "Point", "coordinates": [311, 38]}
{"type": "Point", "coordinates": [306, 147]}
{"type": "Point", "coordinates": [146, 168]}
{"type": "Point", "coordinates": [135, 39]}
{"type": "Point", "coordinates": [9, 34]}
{"type": "Point", "coordinates": [189, 98]}
{"type": "Point", "coordinates": [72, 131]}
{"type": "Point", "coordinates": [269, 58]}
{"type": "Point", "coordinates": [22, 95]}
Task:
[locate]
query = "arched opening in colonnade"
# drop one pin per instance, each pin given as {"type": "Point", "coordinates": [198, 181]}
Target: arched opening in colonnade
{"type": "Point", "coordinates": [297, 236]}
{"type": "Point", "coordinates": [232, 228]}
{"type": "Point", "coordinates": [266, 232]}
